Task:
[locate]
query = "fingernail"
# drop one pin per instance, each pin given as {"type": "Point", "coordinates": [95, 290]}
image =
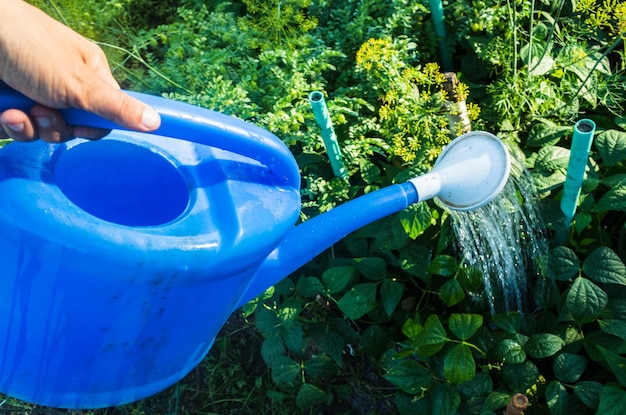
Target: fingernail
{"type": "Point", "coordinates": [18, 128]}
{"type": "Point", "coordinates": [150, 118]}
{"type": "Point", "coordinates": [43, 122]}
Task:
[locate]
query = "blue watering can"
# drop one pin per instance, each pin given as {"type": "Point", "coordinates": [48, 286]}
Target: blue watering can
{"type": "Point", "coordinates": [121, 259]}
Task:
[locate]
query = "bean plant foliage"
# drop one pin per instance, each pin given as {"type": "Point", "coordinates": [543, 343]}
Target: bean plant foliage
{"type": "Point", "coordinates": [391, 320]}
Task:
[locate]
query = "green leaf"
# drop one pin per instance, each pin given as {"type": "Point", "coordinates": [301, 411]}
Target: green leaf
{"type": "Point", "coordinates": [271, 348]}
{"type": "Point", "coordinates": [451, 292]}
{"type": "Point", "coordinates": [520, 376]}
{"type": "Point", "coordinates": [538, 59]}
{"type": "Point", "coordinates": [416, 219]}
{"type": "Point", "coordinates": [614, 199]}
{"type": "Point", "coordinates": [432, 338]}
{"type": "Point", "coordinates": [337, 278]}
{"type": "Point", "coordinates": [510, 351]}
{"type": "Point", "coordinates": [444, 265]}
{"type": "Point", "coordinates": [285, 370]}
{"type": "Point", "coordinates": [496, 400]}
{"type": "Point", "coordinates": [458, 364]}
{"type": "Point", "coordinates": [588, 392]}
{"type": "Point", "coordinates": [390, 295]}
{"type": "Point", "coordinates": [569, 367]}
{"type": "Point", "coordinates": [564, 263]}
{"type": "Point", "coordinates": [445, 399]}
{"type": "Point", "coordinates": [309, 287]}
{"type": "Point", "coordinates": [320, 366]}
{"type": "Point", "coordinates": [556, 398]}
{"type": "Point", "coordinates": [510, 321]}
{"type": "Point", "coordinates": [553, 158]}
{"type": "Point", "coordinates": [309, 396]}
{"type": "Point", "coordinates": [585, 300]}
{"type": "Point", "coordinates": [360, 300]}
{"type": "Point", "coordinates": [543, 345]}
{"type": "Point", "coordinates": [611, 145]}
{"type": "Point", "coordinates": [614, 327]}
{"type": "Point", "coordinates": [372, 268]}
{"type": "Point", "coordinates": [368, 170]}
{"type": "Point", "coordinates": [465, 326]}
{"type": "Point", "coordinates": [415, 260]}
{"type": "Point", "coordinates": [332, 344]}
{"type": "Point", "coordinates": [615, 362]}
{"type": "Point", "coordinates": [409, 376]}
{"type": "Point", "coordinates": [612, 401]}
{"type": "Point", "coordinates": [605, 266]}
{"type": "Point", "coordinates": [546, 133]}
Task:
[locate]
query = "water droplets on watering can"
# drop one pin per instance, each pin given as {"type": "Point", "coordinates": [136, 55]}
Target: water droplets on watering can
{"type": "Point", "coordinates": [160, 265]}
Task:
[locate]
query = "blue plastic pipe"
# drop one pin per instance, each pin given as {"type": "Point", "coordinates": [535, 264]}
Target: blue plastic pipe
{"type": "Point", "coordinates": [322, 116]}
{"type": "Point", "coordinates": [579, 155]}
{"type": "Point", "coordinates": [436, 9]}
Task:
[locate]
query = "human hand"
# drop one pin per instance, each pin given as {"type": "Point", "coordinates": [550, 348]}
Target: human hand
{"type": "Point", "coordinates": [58, 68]}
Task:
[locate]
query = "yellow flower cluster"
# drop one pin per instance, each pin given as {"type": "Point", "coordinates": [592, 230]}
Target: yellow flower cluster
{"type": "Point", "coordinates": [373, 53]}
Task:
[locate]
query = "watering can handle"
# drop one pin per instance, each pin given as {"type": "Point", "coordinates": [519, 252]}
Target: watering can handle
{"type": "Point", "coordinates": [190, 123]}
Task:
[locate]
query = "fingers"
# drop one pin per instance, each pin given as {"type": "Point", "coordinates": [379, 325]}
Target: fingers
{"type": "Point", "coordinates": [44, 123]}
{"type": "Point", "coordinates": [115, 105]}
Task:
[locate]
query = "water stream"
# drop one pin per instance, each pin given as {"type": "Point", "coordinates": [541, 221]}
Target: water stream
{"type": "Point", "coordinates": [505, 240]}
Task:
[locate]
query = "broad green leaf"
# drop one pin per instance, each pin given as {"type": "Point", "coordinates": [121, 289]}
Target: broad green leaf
{"type": "Point", "coordinates": [496, 400]}
{"type": "Point", "coordinates": [411, 328]}
{"type": "Point", "coordinates": [372, 268]}
{"type": "Point", "coordinates": [432, 338]}
{"type": "Point", "coordinates": [611, 145]}
{"type": "Point", "coordinates": [409, 376]}
{"type": "Point", "coordinates": [605, 266]}
{"type": "Point", "coordinates": [612, 401]}
{"type": "Point", "coordinates": [266, 322]}
{"type": "Point", "coordinates": [285, 370]}
{"type": "Point", "coordinates": [337, 278]}
{"type": "Point", "coordinates": [332, 344]}
{"type": "Point", "coordinates": [309, 396]}
{"type": "Point", "coordinates": [538, 57]}
{"type": "Point", "coordinates": [390, 295]}
{"type": "Point", "coordinates": [368, 170]}
{"type": "Point", "coordinates": [444, 265]}
{"type": "Point", "coordinates": [553, 158]}
{"type": "Point", "coordinates": [569, 367]}
{"type": "Point", "coordinates": [585, 300]}
{"type": "Point", "coordinates": [546, 133]}
{"type": "Point", "coordinates": [564, 263]}
{"type": "Point", "coordinates": [465, 326]}
{"type": "Point", "coordinates": [615, 362]}
{"type": "Point", "coordinates": [360, 300]}
{"type": "Point", "coordinates": [416, 219]}
{"type": "Point", "coordinates": [309, 287]}
{"type": "Point", "coordinates": [458, 364]}
{"type": "Point", "coordinates": [520, 376]}
{"type": "Point", "coordinates": [510, 351]}
{"type": "Point", "coordinates": [480, 385]}
{"type": "Point", "coordinates": [543, 345]}
{"type": "Point", "coordinates": [415, 260]}
{"type": "Point", "coordinates": [588, 392]}
{"type": "Point", "coordinates": [374, 340]}
{"type": "Point", "coordinates": [320, 366]}
{"type": "Point", "coordinates": [451, 292]}
{"type": "Point", "coordinates": [445, 399]}
{"type": "Point", "coordinates": [271, 348]}
{"type": "Point", "coordinates": [614, 327]}
{"type": "Point", "coordinates": [614, 199]}
{"type": "Point", "coordinates": [470, 278]}
{"type": "Point", "coordinates": [510, 321]}
{"type": "Point", "coordinates": [412, 404]}
{"type": "Point", "coordinates": [556, 398]}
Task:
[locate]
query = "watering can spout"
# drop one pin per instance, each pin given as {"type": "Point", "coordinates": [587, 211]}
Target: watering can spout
{"type": "Point", "coordinates": [469, 173]}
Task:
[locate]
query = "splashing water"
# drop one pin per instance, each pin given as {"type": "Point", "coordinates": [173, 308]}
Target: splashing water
{"type": "Point", "coordinates": [505, 241]}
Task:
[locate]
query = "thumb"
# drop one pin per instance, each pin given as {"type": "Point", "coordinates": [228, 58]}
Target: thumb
{"type": "Point", "coordinates": [115, 105]}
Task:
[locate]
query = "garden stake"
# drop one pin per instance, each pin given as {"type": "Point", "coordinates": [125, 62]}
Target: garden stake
{"type": "Point", "coordinates": [320, 110]}
{"type": "Point", "coordinates": [436, 9]}
{"type": "Point", "coordinates": [579, 155]}
{"type": "Point", "coordinates": [517, 405]}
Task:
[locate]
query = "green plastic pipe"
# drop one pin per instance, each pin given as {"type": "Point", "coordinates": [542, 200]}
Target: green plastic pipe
{"type": "Point", "coordinates": [436, 9]}
{"type": "Point", "coordinates": [579, 156]}
{"type": "Point", "coordinates": [322, 116]}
